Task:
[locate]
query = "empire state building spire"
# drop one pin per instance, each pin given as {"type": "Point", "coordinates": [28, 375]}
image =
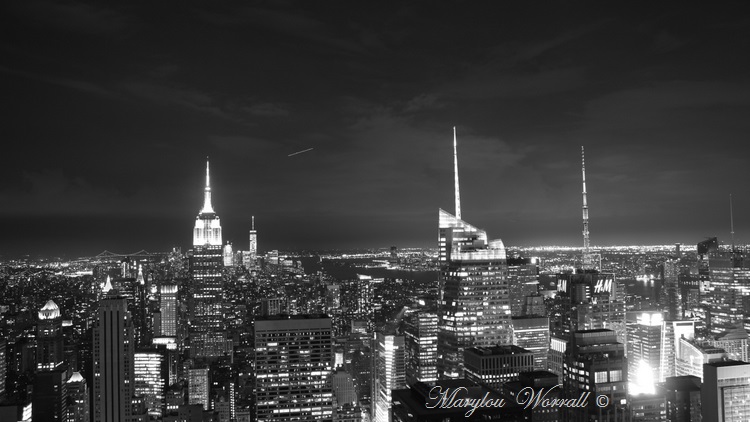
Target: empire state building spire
{"type": "Point", "coordinates": [207, 230]}
{"type": "Point", "coordinates": [207, 208]}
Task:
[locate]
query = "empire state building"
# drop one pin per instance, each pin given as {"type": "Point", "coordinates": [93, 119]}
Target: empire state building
{"type": "Point", "coordinates": [207, 336]}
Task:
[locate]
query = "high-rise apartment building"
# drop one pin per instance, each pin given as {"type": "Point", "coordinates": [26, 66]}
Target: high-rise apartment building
{"type": "Point", "coordinates": [207, 336]}
{"type": "Point", "coordinates": [114, 344]}
{"type": "Point", "coordinates": [725, 394]}
{"type": "Point", "coordinates": [293, 367]}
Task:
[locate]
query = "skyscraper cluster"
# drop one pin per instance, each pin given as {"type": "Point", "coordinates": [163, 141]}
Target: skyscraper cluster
{"type": "Point", "coordinates": [225, 335]}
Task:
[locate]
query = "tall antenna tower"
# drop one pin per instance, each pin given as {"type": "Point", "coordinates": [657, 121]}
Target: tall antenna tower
{"type": "Point", "coordinates": [455, 172]}
{"type": "Point", "coordinates": [586, 244]}
{"type": "Point", "coordinates": [588, 259]}
{"type": "Point", "coordinates": [731, 220]}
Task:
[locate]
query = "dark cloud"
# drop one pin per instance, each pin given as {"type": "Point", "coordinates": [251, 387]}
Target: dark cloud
{"type": "Point", "coordinates": [112, 111]}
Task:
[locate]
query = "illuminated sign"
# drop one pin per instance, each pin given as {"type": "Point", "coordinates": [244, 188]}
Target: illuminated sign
{"type": "Point", "coordinates": [602, 285]}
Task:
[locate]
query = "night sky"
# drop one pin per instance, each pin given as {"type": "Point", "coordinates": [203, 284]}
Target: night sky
{"type": "Point", "coordinates": [109, 111]}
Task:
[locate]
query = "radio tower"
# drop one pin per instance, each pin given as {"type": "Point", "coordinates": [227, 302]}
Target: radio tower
{"type": "Point", "coordinates": [455, 172]}
{"type": "Point", "coordinates": [586, 258]}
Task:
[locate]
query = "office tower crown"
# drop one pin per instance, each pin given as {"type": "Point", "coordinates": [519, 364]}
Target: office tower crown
{"type": "Point", "coordinates": [49, 311]}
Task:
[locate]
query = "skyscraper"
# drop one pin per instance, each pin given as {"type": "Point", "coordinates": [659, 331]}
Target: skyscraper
{"type": "Point", "coordinates": [595, 364]}
{"type": "Point", "coordinates": [50, 401]}
{"type": "Point", "coordinates": [729, 284]}
{"type": "Point", "coordinates": [49, 338]}
{"type": "Point", "coordinates": [150, 374]}
{"type": "Point", "coordinates": [168, 308]}
{"type": "Point", "coordinates": [113, 360]}
{"type": "Point", "coordinates": [474, 305]}
{"type": "Point", "coordinates": [532, 333]}
{"type": "Point", "coordinates": [198, 387]}
{"type": "Point", "coordinates": [671, 295]}
{"type": "Point", "coordinates": [78, 393]}
{"type": "Point", "coordinates": [523, 281]}
{"type": "Point", "coordinates": [293, 367]}
{"type": "Point", "coordinates": [725, 394]}
{"type": "Point", "coordinates": [420, 341]}
{"type": "Point", "coordinates": [671, 333]}
{"type": "Point", "coordinates": [644, 351]}
{"type": "Point", "coordinates": [207, 337]}
{"type": "Point", "coordinates": [390, 373]}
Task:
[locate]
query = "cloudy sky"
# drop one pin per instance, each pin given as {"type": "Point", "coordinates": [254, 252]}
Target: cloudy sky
{"type": "Point", "coordinates": [109, 111]}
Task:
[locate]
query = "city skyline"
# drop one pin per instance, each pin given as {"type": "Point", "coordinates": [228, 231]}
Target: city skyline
{"type": "Point", "coordinates": [113, 115]}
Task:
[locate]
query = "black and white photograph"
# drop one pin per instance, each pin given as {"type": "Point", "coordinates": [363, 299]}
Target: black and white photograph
{"type": "Point", "coordinates": [361, 211]}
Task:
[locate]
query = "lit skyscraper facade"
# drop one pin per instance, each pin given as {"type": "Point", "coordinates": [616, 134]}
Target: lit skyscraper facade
{"type": "Point", "coordinates": [523, 282]}
{"type": "Point", "coordinates": [390, 373]}
{"type": "Point", "coordinates": [474, 307]}
{"type": "Point", "coordinates": [168, 309]}
{"type": "Point", "coordinates": [293, 367]}
{"type": "Point", "coordinates": [729, 284]}
{"type": "Point", "coordinates": [114, 341]}
{"type": "Point", "coordinates": [494, 366]}
{"type": "Point", "coordinates": [671, 294]}
{"type": "Point", "coordinates": [725, 394]}
{"type": "Point", "coordinates": [50, 400]}
{"type": "Point", "coordinates": [150, 372]}
{"type": "Point", "coordinates": [78, 395]}
{"type": "Point", "coordinates": [420, 340]}
{"type": "Point", "coordinates": [644, 351]}
{"type": "Point", "coordinates": [532, 333]}
{"type": "Point", "coordinates": [207, 336]}
{"type": "Point", "coordinates": [49, 338]}
{"type": "Point", "coordinates": [198, 387]}
{"type": "Point", "coordinates": [671, 333]}
{"type": "Point", "coordinates": [595, 363]}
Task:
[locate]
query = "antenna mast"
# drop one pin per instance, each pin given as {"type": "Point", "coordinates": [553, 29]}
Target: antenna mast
{"type": "Point", "coordinates": [731, 220]}
{"type": "Point", "coordinates": [455, 172]}
{"type": "Point", "coordinates": [586, 244]}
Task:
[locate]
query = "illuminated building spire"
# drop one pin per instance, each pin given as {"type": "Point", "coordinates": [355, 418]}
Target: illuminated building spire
{"type": "Point", "coordinates": [207, 208]}
{"type": "Point", "coordinates": [140, 279]}
{"type": "Point", "coordinates": [252, 226]}
{"type": "Point", "coordinates": [455, 172]}
{"type": "Point", "coordinates": [107, 286]}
